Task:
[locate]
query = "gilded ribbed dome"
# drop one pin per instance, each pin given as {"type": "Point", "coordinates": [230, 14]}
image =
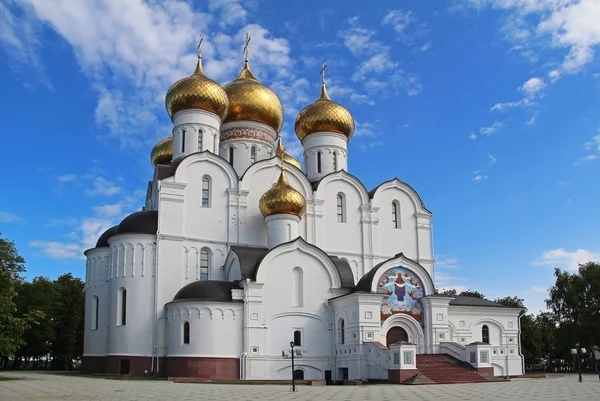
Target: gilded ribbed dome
{"type": "Point", "coordinates": [324, 115]}
{"type": "Point", "coordinates": [280, 152]}
{"type": "Point", "coordinates": [197, 92]}
{"type": "Point", "coordinates": [249, 100]}
{"type": "Point", "coordinates": [282, 199]}
{"type": "Point", "coordinates": [162, 153]}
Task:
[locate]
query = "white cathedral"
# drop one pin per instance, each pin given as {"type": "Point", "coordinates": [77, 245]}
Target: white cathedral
{"type": "Point", "coordinates": [241, 259]}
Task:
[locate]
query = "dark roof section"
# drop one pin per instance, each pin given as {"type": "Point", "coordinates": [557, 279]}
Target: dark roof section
{"type": "Point", "coordinates": [345, 272]}
{"type": "Point", "coordinates": [461, 300]}
{"type": "Point", "coordinates": [208, 290]}
{"type": "Point", "coordinates": [103, 240]}
{"type": "Point", "coordinates": [143, 222]}
{"type": "Point", "coordinates": [366, 282]}
{"type": "Point", "coordinates": [249, 258]}
{"type": "Point", "coordinates": [372, 192]}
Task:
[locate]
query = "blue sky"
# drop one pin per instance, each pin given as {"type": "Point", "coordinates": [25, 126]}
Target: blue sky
{"type": "Point", "coordinates": [488, 108]}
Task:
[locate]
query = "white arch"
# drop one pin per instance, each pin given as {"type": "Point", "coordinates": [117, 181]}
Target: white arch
{"type": "Point", "coordinates": [408, 323]}
{"type": "Point", "coordinates": [302, 246]}
{"type": "Point", "coordinates": [182, 169]}
{"type": "Point", "coordinates": [404, 187]}
{"type": "Point", "coordinates": [275, 162]}
{"type": "Point", "coordinates": [402, 261]}
{"type": "Point", "coordinates": [344, 176]}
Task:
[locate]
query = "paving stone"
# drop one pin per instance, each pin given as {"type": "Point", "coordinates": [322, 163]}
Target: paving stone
{"type": "Point", "coordinates": [44, 386]}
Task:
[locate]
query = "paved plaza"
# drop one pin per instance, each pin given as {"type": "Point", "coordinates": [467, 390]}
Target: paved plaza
{"type": "Point", "coordinates": [44, 386]}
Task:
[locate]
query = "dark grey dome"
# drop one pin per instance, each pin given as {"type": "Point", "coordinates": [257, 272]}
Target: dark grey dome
{"type": "Point", "coordinates": [208, 290]}
{"type": "Point", "coordinates": [144, 222]}
{"type": "Point", "coordinates": [103, 240]}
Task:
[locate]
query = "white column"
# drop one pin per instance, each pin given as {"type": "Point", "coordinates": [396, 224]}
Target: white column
{"type": "Point", "coordinates": [281, 228]}
{"type": "Point", "coordinates": [324, 153]}
{"type": "Point", "coordinates": [194, 130]}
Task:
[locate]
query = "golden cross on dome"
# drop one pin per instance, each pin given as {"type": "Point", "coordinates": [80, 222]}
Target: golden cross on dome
{"type": "Point", "coordinates": [323, 72]}
{"type": "Point", "coordinates": [246, 45]}
{"type": "Point", "coordinates": [200, 46]}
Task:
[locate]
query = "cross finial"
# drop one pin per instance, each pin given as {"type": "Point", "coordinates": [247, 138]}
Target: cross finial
{"type": "Point", "coordinates": [323, 72]}
{"type": "Point", "coordinates": [200, 46]}
{"type": "Point", "coordinates": [246, 45]}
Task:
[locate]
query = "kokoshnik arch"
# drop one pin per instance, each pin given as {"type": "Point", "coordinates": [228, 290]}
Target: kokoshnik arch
{"type": "Point", "coordinates": [240, 249]}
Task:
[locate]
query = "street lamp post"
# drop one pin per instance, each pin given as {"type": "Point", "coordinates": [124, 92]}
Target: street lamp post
{"type": "Point", "coordinates": [578, 352]}
{"type": "Point", "coordinates": [293, 368]}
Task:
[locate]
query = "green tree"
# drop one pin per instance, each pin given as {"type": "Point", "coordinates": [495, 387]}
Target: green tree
{"type": "Point", "coordinates": [471, 293]}
{"type": "Point", "coordinates": [68, 316]}
{"type": "Point", "coordinates": [11, 326]}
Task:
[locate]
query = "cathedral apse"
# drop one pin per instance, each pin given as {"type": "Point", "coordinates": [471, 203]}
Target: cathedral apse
{"type": "Point", "coordinates": [402, 288]}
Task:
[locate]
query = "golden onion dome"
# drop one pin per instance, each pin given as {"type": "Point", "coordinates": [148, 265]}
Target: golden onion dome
{"type": "Point", "coordinates": [162, 153]}
{"type": "Point", "coordinates": [324, 115]}
{"type": "Point", "coordinates": [282, 199]}
{"type": "Point", "coordinates": [197, 92]}
{"type": "Point", "coordinates": [249, 100]}
{"type": "Point", "coordinates": [280, 152]}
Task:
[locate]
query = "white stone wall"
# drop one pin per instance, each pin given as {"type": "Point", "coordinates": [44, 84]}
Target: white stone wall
{"type": "Point", "coordinates": [333, 150]}
{"type": "Point", "coordinates": [132, 267]}
{"type": "Point", "coordinates": [465, 327]}
{"type": "Point", "coordinates": [201, 132]}
{"type": "Point", "coordinates": [281, 228]}
{"type": "Point", "coordinates": [242, 137]}
{"type": "Point", "coordinates": [96, 290]}
{"type": "Point", "coordinates": [216, 329]}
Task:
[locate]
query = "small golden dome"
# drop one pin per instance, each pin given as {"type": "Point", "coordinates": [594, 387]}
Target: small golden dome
{"type": "Point", "coordinates": [249, 100]}
{"type": "Point", "coordinates": [324, 115]}
{"type": "Point", "coordinates": [280, 152]}
{"type": "Point", "coordinates": [197, 92]}
{"type": "Point", "coordinates": [162, 153]}
{"type": "Point", "coordinates": [282, 199]}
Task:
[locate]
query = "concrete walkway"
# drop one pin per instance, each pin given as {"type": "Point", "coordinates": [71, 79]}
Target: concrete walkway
{"type": "Point", "coordinates": [44, 386]}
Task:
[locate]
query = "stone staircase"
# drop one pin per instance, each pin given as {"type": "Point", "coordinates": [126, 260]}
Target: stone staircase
{"type": "Point", "coordinates": [443, 369]}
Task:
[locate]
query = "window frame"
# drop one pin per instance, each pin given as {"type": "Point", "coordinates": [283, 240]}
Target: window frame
{"type": "Point", "coordinates": [485, 332]}
{"type": "Point", "coordinates": [341, 207]}
{"type": "Point", "coordinates": [204, 276]}
{"type": "Point", "coordinates": [186, 333]}
{"type": "Point", "coordinates": [205, 191]}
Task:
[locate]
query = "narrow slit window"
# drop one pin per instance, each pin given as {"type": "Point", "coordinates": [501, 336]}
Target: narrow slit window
{"type": "Point", "coordinates": [186, 332]}
{"type": "Point", "coordinates": [342, 331]}
{"type": "Point", "coordinates": [318, 162]}
{"type": "Point", "coordinates": [340, 208]}
{"type": "Point", "coordinates": [485, 334]}
{"type": "Point", "coordinates": [200, 134]}
{"type": "Point", "coordinates": [183, 141]}
{"type": "Point", "coordinates": [253, 154]}
{"type": "Point", "coordinates": [297, 338]}
{"type": "Point", "coordinates": [204, 264]}
{"type": "Point", "coordinates": [335, 161]}
{"type": "Point", "coordinates": [205, 192]}
{"type": "Point", "coordinates": [123, 307]}
{"type": "Point", "coordinates": [231, 155]}
{"type": "Point", "coordinates": [395, 214]}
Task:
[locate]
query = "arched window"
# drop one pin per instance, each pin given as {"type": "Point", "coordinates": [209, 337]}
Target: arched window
{"type": "Point", "coordinates": [205, 191]}
{"type": "Point", "coordinates": [95, 312]}
{"type": "Point", "coordinates": [231, 155]}
{"type": "Point", "coordinates": [318, 162]}
{"type": "Point", "coordinates": [341, 213]}
{"type": "Point", "coordinates": [342, 331]}
{"type": "Point", "coordinates": [183, 141]}
{"type": "Point", "coordinates": [186, 332]}
{"type": "Point", "coordinates": [253, 154]}
{"type": "Point", "coordinates": [200, 135]}
{"type": "Point", "coordinates": [297, 338]}
{"type": "Point", "coordinates": [335, 161]}
{"type": "Point", "coordinates": [297, 287]}
{"type": "Point", "coordinates": [485, 334]}
{"type": "Point", "coordinates": [204, 264]}
{"type": "Point", "coordinates": [395, 214]}
{"type": "Point", "coordinates": [123, 317]}
{"type": "Point", "coordinates": [298, 374]}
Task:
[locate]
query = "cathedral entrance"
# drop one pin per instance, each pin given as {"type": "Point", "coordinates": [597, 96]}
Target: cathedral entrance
{"type": "Point", "coordinates": [394, 335]}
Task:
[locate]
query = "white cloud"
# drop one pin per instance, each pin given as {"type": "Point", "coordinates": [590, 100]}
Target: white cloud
{"type": "Point", "coordinates": [536, 288]}
{"type": "Point", "coordinates": [533, 87]}
{"type": "Point", "coordinates": [492, 160]}
{"type": "Point", "coordinates": [594, 144]}
{"type": "Point", "coordinates": [101, 186]}
{"type": "Point", "coordinates": [473, 136]}
{"type": "Point", "coordinates": [132, 51]}
{"type": "Point", "coordinates": [364, 147]}
{"type": "Point", "coordinates": [58, 250]}
{"type": "Point", "coordinates": [564, 24]}
{"type": "Point", "coordinates": [554, 75]}
{"type": "Point", "coordinates": [564, 259]}
{"type": "Point", "coordinates": [376, 64]}
{"type": "Point", "coordinates": [359, 40]}
{"type": "Point", "coordinates": [492, 129]}
{"type": "Point", "coordinates": [66, 178]}
{"type": "Point", "coordinates": [446, 262]}
{"type": "Point", "coordinates": [586, 159]}
{"type": "Point", "coordinates": [363, 129]}
{"type": "Point", "coordinates": [533, 118]}
{"type": "Point", "coordinates": [399, 20]}
{"type": "Point", "coordinates": [6, 217]}
{"type": "Point", "coordinates": [480, 177]}
{"type": "Point", "coordinates": [507, 105]}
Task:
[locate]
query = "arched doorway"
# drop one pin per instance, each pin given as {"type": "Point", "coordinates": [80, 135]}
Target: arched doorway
{"type": "Point", "coordinates": [394, 335]}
